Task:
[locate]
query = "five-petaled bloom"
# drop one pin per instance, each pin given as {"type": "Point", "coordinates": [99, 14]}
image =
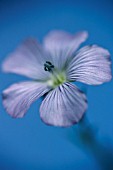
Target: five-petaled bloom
{"type": "Point", "coordinates": [54, 67]}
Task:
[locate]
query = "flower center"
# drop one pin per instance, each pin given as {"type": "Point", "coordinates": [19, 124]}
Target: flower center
{"type": "Point", "coordinates": [57, 77]}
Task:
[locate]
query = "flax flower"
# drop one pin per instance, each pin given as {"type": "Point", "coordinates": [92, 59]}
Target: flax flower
{"type": "Point", "coordinates": [53, 67]}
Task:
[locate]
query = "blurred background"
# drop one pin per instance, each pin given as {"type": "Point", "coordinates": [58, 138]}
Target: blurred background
{"type": "Point", "coordinates": [29, 144]}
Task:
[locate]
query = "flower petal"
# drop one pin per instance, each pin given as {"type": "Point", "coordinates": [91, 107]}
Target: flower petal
{"type": "Point", "coordinates": [27, 60]}
{"type": "Point", "coordinates": [18, 97]}
{"type": "Point", "coordinates": [91, 65]}
{"type": "Point", "coordinates": [62, 45]}
{"type": "Point", "coordinates": [63, 106]}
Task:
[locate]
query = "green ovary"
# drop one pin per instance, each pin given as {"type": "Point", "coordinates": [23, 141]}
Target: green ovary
{"type": "Point", "coordinates": [57, 79]}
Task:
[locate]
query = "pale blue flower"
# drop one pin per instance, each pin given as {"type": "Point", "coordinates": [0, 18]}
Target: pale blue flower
{"type": "Point", "coordinates": [53, 67]}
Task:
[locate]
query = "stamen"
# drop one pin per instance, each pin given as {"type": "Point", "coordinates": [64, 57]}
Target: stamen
{"type": "Point", "coordinates": [56, 77]}
{"type": "Point", "coordinates": [48, 66]}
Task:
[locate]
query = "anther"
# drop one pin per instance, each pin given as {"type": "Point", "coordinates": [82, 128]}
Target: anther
{"type": "Point", "coordinates": [48, 66]}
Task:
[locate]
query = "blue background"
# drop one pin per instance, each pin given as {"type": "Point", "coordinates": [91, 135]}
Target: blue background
{"type": "Point", "coordinates": [29, 144]}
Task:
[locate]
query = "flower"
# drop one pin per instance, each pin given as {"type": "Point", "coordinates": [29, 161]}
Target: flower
{"type": "Point", "coordinates": [54, 67]}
